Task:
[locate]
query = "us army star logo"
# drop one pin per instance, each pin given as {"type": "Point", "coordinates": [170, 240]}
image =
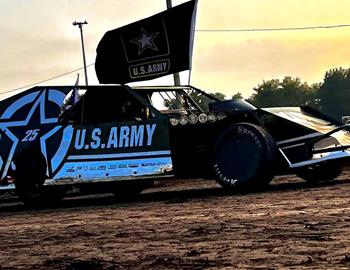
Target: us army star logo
{"type": "Point", "coordinates": [34, 127]}
{"type": "Point", "coordinates": [145, 41]}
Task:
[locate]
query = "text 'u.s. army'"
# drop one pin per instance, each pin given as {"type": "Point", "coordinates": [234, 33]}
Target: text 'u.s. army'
{"type": "Point", "coordinates": [115, 137]}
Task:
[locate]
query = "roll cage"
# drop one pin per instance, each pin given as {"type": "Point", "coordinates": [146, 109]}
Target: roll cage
{"type": "Point", "coordinates": [137, 102]}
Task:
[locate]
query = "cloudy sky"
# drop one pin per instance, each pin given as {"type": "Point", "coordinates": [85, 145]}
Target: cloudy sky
{"type": "Point", "coordinates": [38, 41]}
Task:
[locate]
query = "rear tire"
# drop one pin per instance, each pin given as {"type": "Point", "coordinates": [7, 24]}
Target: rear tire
{"type": "Point", "coordinates": [243, 157]}
{"type": "Point", "coordinates": [320, 172]}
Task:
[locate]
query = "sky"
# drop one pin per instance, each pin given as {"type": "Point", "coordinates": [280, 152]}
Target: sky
{"type": "Point", "coordinates": [38, 41]}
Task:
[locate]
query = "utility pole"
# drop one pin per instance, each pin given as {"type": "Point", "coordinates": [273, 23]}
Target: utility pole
{"type": "Point", "coordinates": [176, 75]}
{"type": "Point", "coordinates": [80, 24]}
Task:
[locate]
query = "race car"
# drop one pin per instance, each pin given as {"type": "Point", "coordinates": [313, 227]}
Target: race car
{"type": "Point", "coordinates": [119, 139]}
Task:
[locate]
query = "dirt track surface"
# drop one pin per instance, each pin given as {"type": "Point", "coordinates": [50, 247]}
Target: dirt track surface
{"type": "Point", "coordinates": [185, 225]}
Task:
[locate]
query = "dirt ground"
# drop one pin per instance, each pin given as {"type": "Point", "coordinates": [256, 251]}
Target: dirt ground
{"type": "Point", "coordinates": [185, 225]}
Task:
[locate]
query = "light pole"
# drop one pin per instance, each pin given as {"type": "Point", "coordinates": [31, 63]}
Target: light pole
{"type": "Point", "coordinates": [80, 24]}
{"type": "Point", "coordinates": [176, 75]}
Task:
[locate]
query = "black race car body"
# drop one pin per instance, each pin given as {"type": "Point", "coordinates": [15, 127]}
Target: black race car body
{"type": "Point", "coordinates": [118, 133]}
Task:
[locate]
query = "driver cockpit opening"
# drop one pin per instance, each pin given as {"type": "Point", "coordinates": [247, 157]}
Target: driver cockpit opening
{"type": "Point", "coordinates": [102, 105]}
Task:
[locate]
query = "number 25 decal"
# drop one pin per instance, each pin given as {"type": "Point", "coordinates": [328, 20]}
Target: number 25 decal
{"type": "Point", "coordinates": [31, 135]}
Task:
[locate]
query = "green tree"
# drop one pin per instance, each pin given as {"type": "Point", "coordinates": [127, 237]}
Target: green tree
{"type": "Point", "coordinates": [334, 93]}
{"type": "Point", "coordinates": [288, 92]}
{"type": "Point", "coordinates": [219, 95]}
{"type": "Point", "coordinates": [312, 99]}
{"type": "Point", "coordinates": [238, 95]}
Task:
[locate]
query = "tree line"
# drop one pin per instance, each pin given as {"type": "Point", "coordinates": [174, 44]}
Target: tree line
{"type": "Point", "coordinates": [332, 96]}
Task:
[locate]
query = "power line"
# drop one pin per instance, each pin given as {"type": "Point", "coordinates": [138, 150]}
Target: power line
{"type": "Point", "coordinates": [43, 81]}
{"type": "Point", "coordinates": [276, 29]}
{"type": "Point", "coordinates": [202, 30]}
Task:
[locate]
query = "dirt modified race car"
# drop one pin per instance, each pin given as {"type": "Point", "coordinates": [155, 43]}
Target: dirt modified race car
{"type": "Point", "coordinates": [119, 139]}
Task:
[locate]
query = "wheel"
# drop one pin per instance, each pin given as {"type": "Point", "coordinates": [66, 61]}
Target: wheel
{"type": "Point", "coordinates": [320, 172]}
{"type": "Point", "coordinates": [243, 157]}
{"type": "Point", "coordinates": [30, 176]}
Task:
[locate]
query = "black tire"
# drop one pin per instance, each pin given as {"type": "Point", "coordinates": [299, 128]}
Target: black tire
{"type": "Point", "coordinates": [243, 157]}
{"type": "Point", "coordinates": [30, 176]}
{"type": "Point", "coordinates": [320, 172]}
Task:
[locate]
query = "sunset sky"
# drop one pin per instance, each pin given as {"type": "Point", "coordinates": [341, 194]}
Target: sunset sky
{"type": "Point", "coordinates": [38, 40]}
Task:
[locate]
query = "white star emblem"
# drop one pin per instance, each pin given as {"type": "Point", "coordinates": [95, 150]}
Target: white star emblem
{"type": "Point", "coordinates": [39, 101]}
{"type": "Point", "coordinates": [145, 41]}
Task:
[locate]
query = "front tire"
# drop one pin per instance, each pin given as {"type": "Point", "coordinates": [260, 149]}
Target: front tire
{"type": "Point", "coordinates": [243, 157]}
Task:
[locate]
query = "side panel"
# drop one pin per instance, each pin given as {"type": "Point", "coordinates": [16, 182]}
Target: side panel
{"type": "Point", "coordinates": [114, 151]}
